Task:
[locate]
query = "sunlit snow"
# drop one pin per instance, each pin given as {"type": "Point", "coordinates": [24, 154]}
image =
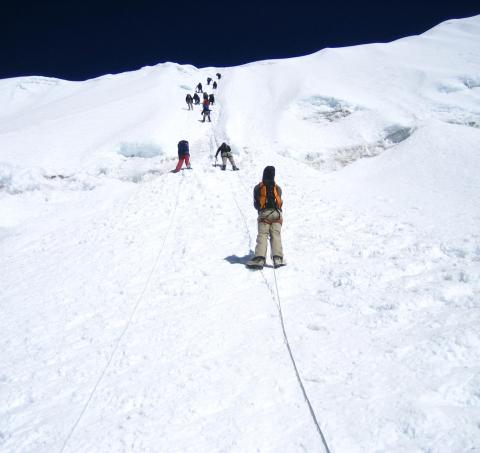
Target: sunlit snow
{"type": "Point", "coordinates": [128, 322]}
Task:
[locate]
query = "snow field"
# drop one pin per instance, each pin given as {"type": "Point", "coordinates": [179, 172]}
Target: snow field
{"type": "Point", "coordinates": [128, 322]}
{"type": "Point", "coordinates": [204, 357]}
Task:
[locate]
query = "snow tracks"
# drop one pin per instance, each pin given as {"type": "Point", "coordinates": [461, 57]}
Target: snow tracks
{"type": "Point", "coordinates": [197, 359]}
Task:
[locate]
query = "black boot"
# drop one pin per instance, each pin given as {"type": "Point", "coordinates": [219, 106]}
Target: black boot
{"type": "Point", "coordinates": [257, 262]}
{"type": "Point", "coordinates": [278, 261]}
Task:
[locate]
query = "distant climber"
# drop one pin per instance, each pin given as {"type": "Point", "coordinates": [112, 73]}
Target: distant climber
{"type": "Point", "coordinates": [209, 79]}
{"type": "Point", "coordinates": [226, 153]}
{"type": "Point", "coordinates": [199, 87]}
{"type": "Point", "coordinates": [211, 99]}
{"type": "Point", "coordinates": [189, 101]}
{"type": "Point", "coordinates": [196, 98]}
{"type": "Point", "coordinates": [219, 76]}
{"type": "Point", "coordinates": [205, 95]}
{"type": "Point", "coordinates": [214, 85]}
{"type": "Point", "coordinates": [183, 155]}
{"type": "Point", "coordinates": [267, 200]}
{"type": "Point", "coordinates": [206, 110]}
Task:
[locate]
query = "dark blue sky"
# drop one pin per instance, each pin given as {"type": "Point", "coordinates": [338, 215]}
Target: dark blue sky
{"type": "Point", "coordinates": [82, 39]}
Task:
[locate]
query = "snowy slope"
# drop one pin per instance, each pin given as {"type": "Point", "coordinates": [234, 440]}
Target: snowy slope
{"type": "Point", "coordinates": [128, 322]}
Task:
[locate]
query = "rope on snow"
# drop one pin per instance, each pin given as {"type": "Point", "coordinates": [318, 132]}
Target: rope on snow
{"type": "Point", "coordinates": [127, 324]}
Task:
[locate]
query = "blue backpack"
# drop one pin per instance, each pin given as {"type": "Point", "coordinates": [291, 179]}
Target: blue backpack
{"type": "Point", "coordinates": [183, 148]}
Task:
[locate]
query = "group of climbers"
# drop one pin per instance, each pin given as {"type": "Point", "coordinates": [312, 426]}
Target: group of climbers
{"type": "Point", "coordinates": [267, 195]}
{"type": "Point", "coordinates": [189, 99]}
{"type": "Point", "coordinates": [208, 99]}
{"type": "Point", "coordinates": [184, 156]}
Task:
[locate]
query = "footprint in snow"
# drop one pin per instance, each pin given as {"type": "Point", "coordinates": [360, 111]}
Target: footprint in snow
{"type": "Point", "coordinates": [316, 328]}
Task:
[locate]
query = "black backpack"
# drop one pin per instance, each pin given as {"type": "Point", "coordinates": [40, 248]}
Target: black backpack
{"type": "Point", "coordinates": [183, 147]}
{"type": "Point", "coordinates": [271, 202]}
{"type": "Point", "coordinates": [269, 197]}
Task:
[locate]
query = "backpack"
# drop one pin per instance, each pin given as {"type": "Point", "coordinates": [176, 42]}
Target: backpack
{"type": "Point", "coordinates": [270, 197]}
{"type": "Point", "coordinates": [225, 149]}
{"type": "Point", "coordinates": [183, 147]}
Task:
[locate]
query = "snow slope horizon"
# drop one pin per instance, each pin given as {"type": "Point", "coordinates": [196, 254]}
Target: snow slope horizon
{"type": "Point", "coordinates": [119, 329]}
{"type": "Point", "coordinates": [16, 91]}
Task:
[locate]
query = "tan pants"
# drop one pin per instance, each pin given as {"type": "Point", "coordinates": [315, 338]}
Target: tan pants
{"type": "Point", "coordinates": [269, 226]}
{"type": "Point", "coordinates": [228, 156]}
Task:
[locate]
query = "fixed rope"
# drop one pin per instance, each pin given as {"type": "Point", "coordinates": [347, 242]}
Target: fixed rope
{"type": "Point", "coordinates": [299, 379]}
{"type": "Point", "coordinates": [127, 324]}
